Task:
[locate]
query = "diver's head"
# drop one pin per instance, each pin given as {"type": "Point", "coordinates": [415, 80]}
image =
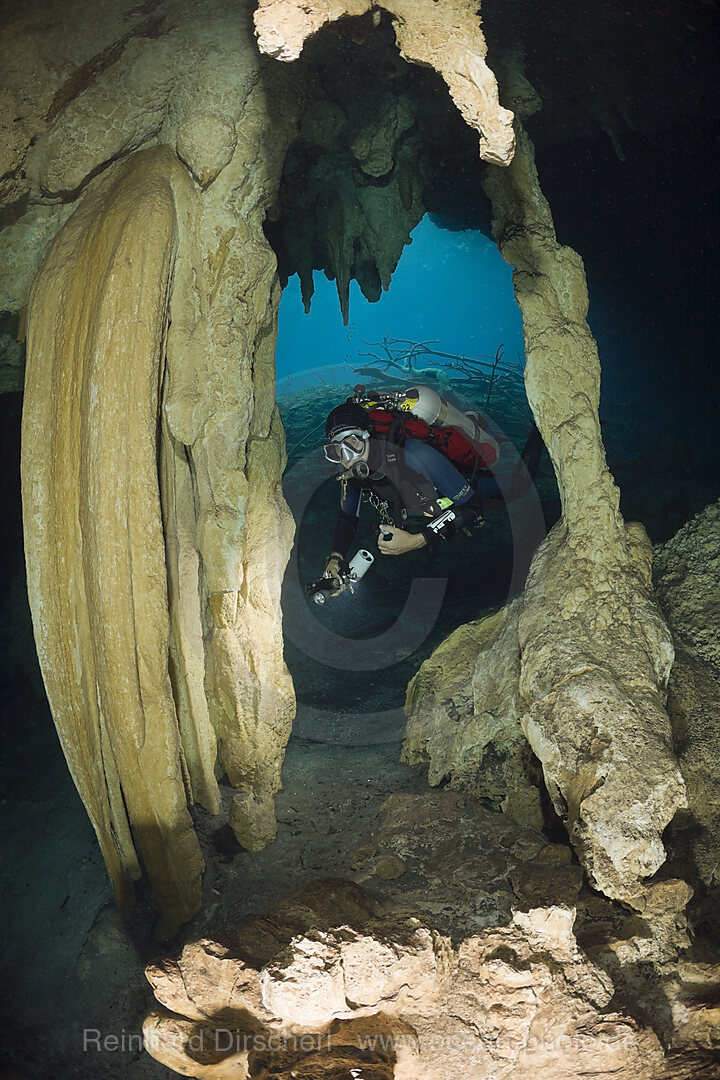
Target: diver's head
{"type": "Point", "coordinates": [348, 432]}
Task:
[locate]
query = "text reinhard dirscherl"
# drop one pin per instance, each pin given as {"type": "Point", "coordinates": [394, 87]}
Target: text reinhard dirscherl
{"type": "Point", "coordinates": [231, 1041]}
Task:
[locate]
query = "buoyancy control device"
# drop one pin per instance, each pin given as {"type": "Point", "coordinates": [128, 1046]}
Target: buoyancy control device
{"type": "Point", "coordinates": [421, 413]}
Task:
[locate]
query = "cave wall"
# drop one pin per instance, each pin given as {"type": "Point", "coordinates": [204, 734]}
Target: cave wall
{"type": "Point", "coordinates": [124, 104]}
{"type": "Point", "coordinates": [156, 530]}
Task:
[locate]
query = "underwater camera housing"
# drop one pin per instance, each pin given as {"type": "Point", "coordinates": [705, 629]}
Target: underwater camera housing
{"type": "Point", "coordinates": [358, 566]}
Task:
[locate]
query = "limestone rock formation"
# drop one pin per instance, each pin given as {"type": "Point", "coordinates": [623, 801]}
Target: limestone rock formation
{"type": "Point", "coordinates": [586, 673]}
{"type": "Point", "coordinates": [694, 708]}
{"type": "Point", "coordinates": [445, 37]}
{"type": "Point", "coordinates": [687, 578]}
{"type": "Point", "coordinates": [595, 671]}
{"type": "Point", "coordinates": [93, 527]}
{"type": "Point", "coordinates": [351, 190]}
{"type": "Point", "coordinates": [201, 499]}
{"type": "Point", "coordinates": [595, 651]}
{"type": "Point", "coordinates": [328, 984]}
{"type": "Point", "coordinates": [464, 710]}
{"type": "Point", "coordinates": [687, 573]}
{"type": "Point", "coordinates": [157, 533]}
{"type": "Point", "coordinates": [367, 163]}
{"type": "Point", "coordinates": [447, 857]}
{"type": "Point", "coordinates": [183, 112]}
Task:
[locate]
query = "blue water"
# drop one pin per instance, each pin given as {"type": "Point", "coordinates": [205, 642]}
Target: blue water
{"type": "Point", "coordinates": [452, 288]}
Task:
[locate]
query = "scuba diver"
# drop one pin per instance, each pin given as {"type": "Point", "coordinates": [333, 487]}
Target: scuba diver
{"type": "Point", "coordinates": [413, 455]}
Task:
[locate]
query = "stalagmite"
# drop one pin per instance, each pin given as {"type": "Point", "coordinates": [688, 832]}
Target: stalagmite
{"type": "Point", "coordinates": [229, 528]}
{"type": "Point", "coordinates": [581, 666]}
{"type": "Point", "coordinates": [93, 527]}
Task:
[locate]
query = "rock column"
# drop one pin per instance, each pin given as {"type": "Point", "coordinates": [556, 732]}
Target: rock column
{"type": "Point", "coordinates": [595, 653]}
{"type": "Point", "coordinates": [93, 524]}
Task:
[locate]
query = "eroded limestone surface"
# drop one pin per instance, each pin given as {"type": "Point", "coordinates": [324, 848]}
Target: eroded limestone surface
{"type": "Point", "coordinates": [595, 651]}
{"type": "Point", "coordinates": [468, 728]}
{"type": "Point", "coordinates": [586, 673]}
{"type": "Point", "coordinates": [687, 572]}
{"type": "Point", "coordinates": [464, 866]}
{"type": "Point", "coordinates": [687, 577]}
{"type": "Point", "coordinates": [389, 996]}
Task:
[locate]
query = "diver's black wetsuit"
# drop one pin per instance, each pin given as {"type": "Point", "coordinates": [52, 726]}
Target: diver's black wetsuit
{"type": "Point", "coordinates": [422, 469]}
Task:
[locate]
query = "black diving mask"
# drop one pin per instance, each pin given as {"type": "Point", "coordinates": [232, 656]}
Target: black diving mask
{"type": "Point", "coordinates": [348, 450]}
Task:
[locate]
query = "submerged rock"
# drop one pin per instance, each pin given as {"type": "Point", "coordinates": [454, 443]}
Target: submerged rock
{"type": "Point", "coordinates": [388, 996]}
{"type": "Point", "coordinates": [687, 576]}
{"type": "Point", "coordinates": [596, 657]}
{"type": "Point", "coordinates": [464, 709]}
{"type": "Point", "coordinates": [465, 866]}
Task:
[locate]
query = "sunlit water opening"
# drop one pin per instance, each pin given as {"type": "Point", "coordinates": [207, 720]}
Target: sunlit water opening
{"type": "Point", "coordinates": [450, 321]}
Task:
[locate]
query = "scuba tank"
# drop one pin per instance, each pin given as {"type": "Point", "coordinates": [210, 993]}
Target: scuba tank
{"type": "Point", "coordinates": [427, 405]}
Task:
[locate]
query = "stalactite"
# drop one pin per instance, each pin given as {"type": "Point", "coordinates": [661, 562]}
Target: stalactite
{"type": "Point", "coordinates": [93, 528]}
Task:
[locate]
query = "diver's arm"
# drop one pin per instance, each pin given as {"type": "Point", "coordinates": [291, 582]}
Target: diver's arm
{"type": "Point", "coordinates": [392, 541]}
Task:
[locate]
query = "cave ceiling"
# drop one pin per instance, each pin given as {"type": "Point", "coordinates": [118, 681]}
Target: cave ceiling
{"type": "Point", "coordinates": [379, 141]}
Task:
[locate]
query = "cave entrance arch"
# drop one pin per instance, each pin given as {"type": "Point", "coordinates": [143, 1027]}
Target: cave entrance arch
{"type": "Point", "coordinates": [452, 290]}
{"type": "Point", "coordinates": [383, 185]}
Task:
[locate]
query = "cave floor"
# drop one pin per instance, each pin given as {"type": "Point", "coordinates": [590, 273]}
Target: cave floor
{"type": "Point", "coordinates": [74, 991]}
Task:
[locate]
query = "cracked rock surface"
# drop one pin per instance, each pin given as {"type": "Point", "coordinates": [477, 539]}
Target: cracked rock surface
{"type": "Point", "coordinates": [390, 996]}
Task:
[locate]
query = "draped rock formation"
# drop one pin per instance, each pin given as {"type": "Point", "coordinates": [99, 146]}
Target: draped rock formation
{"type": "Point", "coordinates": [93, 528]}
{"type": "Point", "coordinates": [198, 514]}
{"type": "Point", "coordinates": [156, 530]}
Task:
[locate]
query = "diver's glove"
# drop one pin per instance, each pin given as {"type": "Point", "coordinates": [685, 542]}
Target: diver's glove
{"type": "Point", "coordinates": [454, 518]}
{"type": "Point", "coordinates": [335, 568]}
